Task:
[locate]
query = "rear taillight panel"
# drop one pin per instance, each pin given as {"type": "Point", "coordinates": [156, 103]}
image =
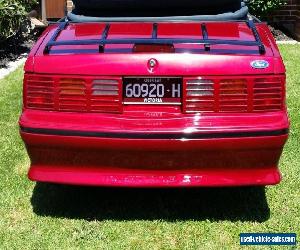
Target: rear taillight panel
{"type": "Point", "coordinates": [106, 95]}
{"type": "Point", "coordinates": [39, 92]}
{"type": "Point", "coordinates": [200, 94]}
{"type": "Point", "coordinates": [268, 94]}
{"type": "Point", "coordinates": [73, 94]}
{"type": "Point", "coordinates": [234, 94]}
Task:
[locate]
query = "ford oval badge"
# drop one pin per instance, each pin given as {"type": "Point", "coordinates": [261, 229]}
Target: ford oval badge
{"type": "Point", "coordinates": [260, 64]}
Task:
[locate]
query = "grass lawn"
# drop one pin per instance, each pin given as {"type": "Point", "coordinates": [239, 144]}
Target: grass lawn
{"type": "Point", "coordinates": [43, 216]}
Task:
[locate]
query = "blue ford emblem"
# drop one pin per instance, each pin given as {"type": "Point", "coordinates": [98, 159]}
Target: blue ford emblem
{"type": "Point", "coordinates": [259, 64]}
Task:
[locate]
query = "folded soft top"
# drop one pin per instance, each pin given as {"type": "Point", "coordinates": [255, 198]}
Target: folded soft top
{"type": "Point", "coordinates": [155, 7]}
{"type": "Point", "coordinates": [101, 15]}
{"type": "Point", "coordinates": [203, 7]}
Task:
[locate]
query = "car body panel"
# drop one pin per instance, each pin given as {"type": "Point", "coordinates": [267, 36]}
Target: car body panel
{"type": "Point", "coordinates": [188, 63]}
{"type": "Point", "coordinates": [155, 145]}
{"type": "Point", "coordinates": [141, 163]}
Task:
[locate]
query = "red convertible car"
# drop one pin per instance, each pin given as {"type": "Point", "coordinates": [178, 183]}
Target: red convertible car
{"type": "Point", "coordinates": [169, 99]}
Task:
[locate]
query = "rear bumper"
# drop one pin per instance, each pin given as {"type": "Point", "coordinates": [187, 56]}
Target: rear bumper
{"type": "Point", "coordinates": [235, 157]}
{"type": "Point", "coordinates": [154, 162]}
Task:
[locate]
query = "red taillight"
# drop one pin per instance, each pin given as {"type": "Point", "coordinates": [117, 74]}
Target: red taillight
{"type": "Point", "coordinates": [234, 95]}
{"type": "Point", "coordinates": [98, 94]}
{"type": "Point", "coordinates": [106, 95]}
{"type": "Point", "coordinates": [39, 92]}
{"type": "Point", "coordinates": [73, 94]}
{"type": "Point", "coordinates": [268, 94]}
{"type": "Point", "coordinates": [198, 95]}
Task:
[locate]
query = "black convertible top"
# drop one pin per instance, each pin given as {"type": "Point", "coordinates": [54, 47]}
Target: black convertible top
{"type": "Point", "coordinates": [155, 7]}
{"type": "Point", "coordinates": [157, 10]}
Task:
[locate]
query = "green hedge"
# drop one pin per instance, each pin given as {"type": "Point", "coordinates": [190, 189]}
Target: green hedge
{"type": "Point", "coordinates": [12, 14]}
{"type": "Point", "coordinates": [262, 8]}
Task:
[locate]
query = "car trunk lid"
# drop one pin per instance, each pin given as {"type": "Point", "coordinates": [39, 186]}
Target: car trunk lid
{"type": "Point", "coordinates": [77, 49]}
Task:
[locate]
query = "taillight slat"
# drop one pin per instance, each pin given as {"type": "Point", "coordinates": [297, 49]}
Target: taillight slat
{"type": "Point", "coordinates": [232, 96]}
{"type": "Point", "coordinates": [104, 101]}
{"type": "Point", "coordinates": [105, 93]}
{"type": "Point", "coordinates": [104, 105]}
{"type": "Point", "coordinates": [105, 87]}
{"type": "Point", "coordinates": [39, 83]}
{"type": "Point", "coordinates": [269, 98]}
{"type": "Point", "coordinates": [258, 81]}
{"type": "Point", "coordinates": [39, 94]}
{"type": "Point", "coordinates": [32, 101]}
{"type": "Point", "coordinates": [267, 89]}
{"type": "Point", "coordinates": [71, 101]}
{"type": "Point", "coordinates": [192, 92]}
{"type": "Point", "coordinates": [71, 106]}
{"type": "Point", "coordinates": [40, 87]}
{"type": "Point", "coordinates": [34, 90]}
{"type": "Point", "coordinates": [258, 95]}
{"type": "Point", "coordinates": [235, 106]}
{"type": "Point", "coordinates": [268, 105]}
{"type": "Point", "coordinates": [40, 106]}
{"type": "Point", "coordinates": [201, 100]}
{"type": "Point", "coordinates": [72, 97]}
{"type": "Point", "coordinates": [233, 102]}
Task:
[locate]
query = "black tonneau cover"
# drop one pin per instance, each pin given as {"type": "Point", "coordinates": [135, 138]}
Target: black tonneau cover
{"type": "Point", "coordinates": [155, 7]}
{"type": "Point", "coordinates": [157, 10]}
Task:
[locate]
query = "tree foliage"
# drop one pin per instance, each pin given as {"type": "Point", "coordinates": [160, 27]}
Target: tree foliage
{"type": "Point", "coordinates": [12, 14]}
{"type": "Point", "coordinates": [264, 7]}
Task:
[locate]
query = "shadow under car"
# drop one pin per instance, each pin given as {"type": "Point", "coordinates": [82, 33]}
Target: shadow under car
{"type": "Point", "coordinates": [98, 203]}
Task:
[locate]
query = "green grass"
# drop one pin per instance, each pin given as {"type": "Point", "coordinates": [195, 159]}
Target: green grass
{"type": "Point", "coordinates": [41, 216]}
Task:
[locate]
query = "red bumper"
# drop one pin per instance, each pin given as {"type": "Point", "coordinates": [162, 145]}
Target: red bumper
{"type": "Point", "coordinates": [211, 158]}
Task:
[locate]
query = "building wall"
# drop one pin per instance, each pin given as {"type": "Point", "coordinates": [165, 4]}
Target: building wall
{"type": "Point", "coordinates": [287, 14]}
{"type": "Point", "coordinates": [53, 9]}
{"type": "Point", "coordinates": [297, 26]}
{"type": "Point", "coordinates": [288, 17]}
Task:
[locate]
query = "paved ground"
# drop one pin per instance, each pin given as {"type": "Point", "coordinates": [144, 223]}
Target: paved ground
{"type": "Point", "coordinates": [12, 66]}
{"type": "Point", "coordinates": [287, 42]}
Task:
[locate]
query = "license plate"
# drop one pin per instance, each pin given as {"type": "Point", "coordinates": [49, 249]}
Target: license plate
{"type": "Point", "coordinates": [152, 90]}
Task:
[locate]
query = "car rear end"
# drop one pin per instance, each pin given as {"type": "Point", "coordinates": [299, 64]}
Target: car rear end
{"type": "Point", "coordinates": [155, 105]}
